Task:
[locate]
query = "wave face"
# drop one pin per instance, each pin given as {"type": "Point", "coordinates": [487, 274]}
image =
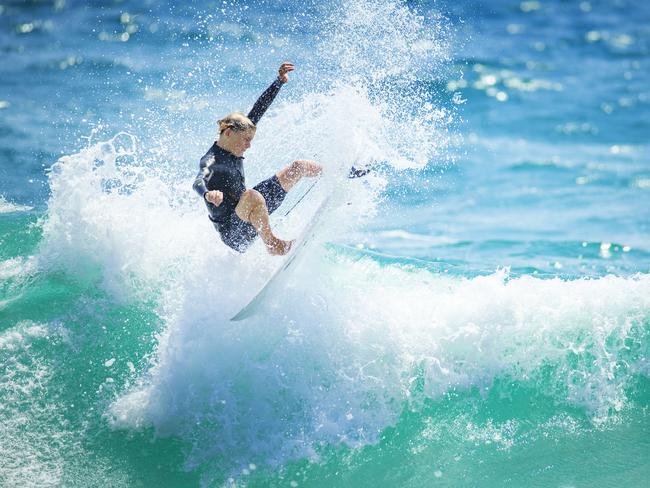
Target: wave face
{"type": "Point", "coordinates": [474, 311]}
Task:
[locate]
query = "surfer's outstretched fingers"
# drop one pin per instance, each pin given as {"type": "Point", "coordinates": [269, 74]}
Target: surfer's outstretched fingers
{"type": "Point", "coordinates": [250, 201]}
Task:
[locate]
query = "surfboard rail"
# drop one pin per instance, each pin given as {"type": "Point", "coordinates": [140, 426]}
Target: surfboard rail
{"type": "Point", "coordinates": [253, 306]}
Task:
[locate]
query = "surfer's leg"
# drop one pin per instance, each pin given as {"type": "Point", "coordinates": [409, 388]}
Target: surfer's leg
{"type": "Point", "coordinates": [292, 174]}
{"type": "Point", "coordinates": [252, 208]}
{"type": "Point", "coordinates": [273, 193]}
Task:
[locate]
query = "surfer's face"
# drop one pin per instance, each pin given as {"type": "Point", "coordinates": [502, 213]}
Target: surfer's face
{"type": "Point", "coordinates": [240, 140]}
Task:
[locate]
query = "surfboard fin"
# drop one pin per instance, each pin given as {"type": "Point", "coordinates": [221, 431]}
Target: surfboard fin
{"type": "Point", "coordinates": [358, 172]}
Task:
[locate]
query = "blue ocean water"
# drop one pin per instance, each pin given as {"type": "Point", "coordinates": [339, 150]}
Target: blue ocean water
{"type": "Point", "coordinates": [475, 312]}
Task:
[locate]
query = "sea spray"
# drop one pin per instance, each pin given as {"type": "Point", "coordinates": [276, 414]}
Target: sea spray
{"type": "Point", "coordinates": [110, 214]}
{"type": "Point", "coordinates": [394, 55]}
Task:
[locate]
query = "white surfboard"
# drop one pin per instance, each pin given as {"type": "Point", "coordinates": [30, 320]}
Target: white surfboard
{"type": "Point", "coordinates": [299, 244]}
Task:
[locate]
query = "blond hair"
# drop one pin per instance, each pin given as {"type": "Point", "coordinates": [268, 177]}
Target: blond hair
{"type": "Point", "coordinates": [236, 121]}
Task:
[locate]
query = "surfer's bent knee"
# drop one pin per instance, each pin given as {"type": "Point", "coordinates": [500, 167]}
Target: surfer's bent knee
{"type": "Point", "coordinates": [254, 197]}
{"type": "Point", "coordinates": [249, 201]}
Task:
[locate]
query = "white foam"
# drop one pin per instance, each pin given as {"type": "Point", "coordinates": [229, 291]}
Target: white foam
{"type": "Point", "coordinates": [338, 355]}
{"type": "Point", "coordinates": [15, 273]}
{"type": "Point", "coordinates": [8, 207]}
{"type": "Point", "coordinates": [110, 212]}
{"type": "Point", "coordinates": [21, 336]}
{"type": "Point", "coordinates": [27, 456]}
{"type": "Point", "coordinates": [15, 267]}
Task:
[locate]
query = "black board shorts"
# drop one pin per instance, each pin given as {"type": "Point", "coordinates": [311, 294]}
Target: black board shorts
{"type": "Point", "coordinates": [239, 235]}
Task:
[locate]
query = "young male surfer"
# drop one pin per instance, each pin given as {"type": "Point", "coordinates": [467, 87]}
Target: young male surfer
{"type": "Point", "coordinates": [238, 214]}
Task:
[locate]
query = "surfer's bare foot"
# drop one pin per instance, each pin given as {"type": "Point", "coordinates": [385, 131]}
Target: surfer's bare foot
{"type": "Point", "coordinates": [278, 247]}
{"type": "Point", "coordinates": [293, 173]}
{"type": "Point", "coordinates": [309, 168]}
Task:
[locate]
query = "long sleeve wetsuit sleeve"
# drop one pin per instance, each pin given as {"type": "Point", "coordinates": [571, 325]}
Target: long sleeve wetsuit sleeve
{"type": "Point", "coordinates": [200, 183]}
{"type": "Point", "coordinates": [264, 101]}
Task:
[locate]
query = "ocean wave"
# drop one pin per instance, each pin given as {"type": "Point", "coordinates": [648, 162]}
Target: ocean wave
{"type": "Point", "coordinates": [350, 343]}
{"type": "Point", "coordinates": [339, 363]}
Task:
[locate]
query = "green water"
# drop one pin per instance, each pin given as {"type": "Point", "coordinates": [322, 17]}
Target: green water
{"type": "Point", "coordinates": [513, 436]}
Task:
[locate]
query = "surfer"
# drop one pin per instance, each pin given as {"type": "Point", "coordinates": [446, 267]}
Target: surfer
{"type": "Point", "coordinates": [240, 214]}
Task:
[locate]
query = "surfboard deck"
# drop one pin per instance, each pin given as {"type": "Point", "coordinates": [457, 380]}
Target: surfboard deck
{"type": "Point", "coordinates": [299, 244]}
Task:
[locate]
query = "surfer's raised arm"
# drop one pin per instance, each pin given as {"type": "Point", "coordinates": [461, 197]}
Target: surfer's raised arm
{"type": "Point", "coordinates": [265, 100]}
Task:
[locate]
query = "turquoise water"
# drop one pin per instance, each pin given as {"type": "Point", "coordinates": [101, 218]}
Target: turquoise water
{"type": "Point", "coordinates": [475, 312]}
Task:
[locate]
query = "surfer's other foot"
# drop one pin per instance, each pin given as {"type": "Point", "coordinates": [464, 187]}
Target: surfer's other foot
{"type": "Point", "coordinates": [279, 247]}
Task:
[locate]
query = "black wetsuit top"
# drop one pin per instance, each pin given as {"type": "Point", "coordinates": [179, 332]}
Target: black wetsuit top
{"type": "Point", "coordinates": [223, 171]}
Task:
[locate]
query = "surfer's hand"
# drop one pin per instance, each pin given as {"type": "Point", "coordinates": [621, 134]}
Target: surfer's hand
{"type": "Point", "coordinates": [215, 197]}
{"type": "Point", "coordinates": [284, 69]}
